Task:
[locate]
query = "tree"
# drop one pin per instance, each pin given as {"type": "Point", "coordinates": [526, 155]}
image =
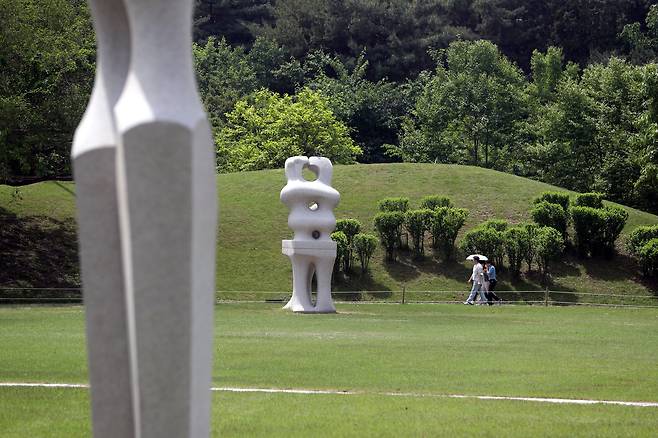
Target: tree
{"type": "Point", "coordinates": [597, 229]}
{"type": "Point", "coordinates": [350, 227]}
{"type": "Point", "coordinates": [265, 129]}
{"type": "Point", "coordinates": [470, 109]}
{"type": "Point", "coordinates": [394, 204]}
{"type": "Point", "coordinates": [444, 228]}
{"type": "Point", "coordinates": [561, 198]}
{"type": "Point", "coordinates": [365, 245]}
{"type": "Point", "coordinates": [486, 241]}
{"type": "Point", "coordinates": [47, 63]}
{"type": "Point", "coordinates": [433, 202]}
{"type": "Point", "coordinates": [565, 151]}
{"type": "Point", "coordinates": [549, 245]}
{"type": "Point", "coordinates": [547, 71]}
{"type": "Point", "coordinates": [639, 237]}
{"type": "Point", "coordinates": [594, 200]}
{"type": "Point", "coordinates": [269, 59]}
{"type": "Point", "coordinates": [417, 222]}
{"type": "Point", "coordinates": [530, 250]}
{"type": "Point", "coordinates": [224, 76]}
{"type": "Point", "coordinates": [587, 29]}
{"type": "Point", "coordinates": [389, 227]}
{"type": "Point", "coordinates": [230, 19]}
{"type": "Point", "coordinates": [516, 241]}
{"type": "Point", "coordinates": [396, 33]}
{"type": "Point", "coordinates": [342, 250]}
{"type": "Point", "coordinates": [643, 44]}
{"type": "Point", "coordinates": [372, 110]}
{"type": "Point", "coordinates": [551, 215]}
{"type": "Point", "coordinates": [648, 256]}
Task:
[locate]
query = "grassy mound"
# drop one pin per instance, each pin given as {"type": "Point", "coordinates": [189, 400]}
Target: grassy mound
{"type": "Point", "coordinates": [38, 246]}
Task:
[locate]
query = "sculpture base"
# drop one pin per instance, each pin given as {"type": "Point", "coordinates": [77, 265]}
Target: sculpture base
{"type": "Point", "coordinates": [309, 258]}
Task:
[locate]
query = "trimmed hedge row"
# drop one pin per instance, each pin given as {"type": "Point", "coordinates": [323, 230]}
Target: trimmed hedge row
{"type": "Point", "coordinates": [436, 218]}
{"type": "Point", "coordinates": [596, 227]}
{"type": "Point", "coordinates": [350, 240]}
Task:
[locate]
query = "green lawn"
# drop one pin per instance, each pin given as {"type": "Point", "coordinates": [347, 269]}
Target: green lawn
{"type": "Point", "coordinates": [434, 350]}
{"type": "Point", "coordinates": [39, 231]}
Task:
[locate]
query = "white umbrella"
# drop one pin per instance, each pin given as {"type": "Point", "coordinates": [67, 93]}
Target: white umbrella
{"type": "Point", "coordinates": [480, 256]}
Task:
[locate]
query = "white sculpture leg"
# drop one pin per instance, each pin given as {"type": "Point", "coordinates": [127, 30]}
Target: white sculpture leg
{"type": "Point", "coordinates": [311, 205]}
{"type": "Point", "coordinates": [301, 283]}
{"type": "Point", "coordinates": [324, 267]}
{"type": "Point", "coordinates": [94, 158]}
{"type": "Point", "coordinates": [167, 198]}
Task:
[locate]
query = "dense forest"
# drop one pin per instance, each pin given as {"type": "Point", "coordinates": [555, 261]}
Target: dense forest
{"type": "Point", "coordinates": [563, 92]}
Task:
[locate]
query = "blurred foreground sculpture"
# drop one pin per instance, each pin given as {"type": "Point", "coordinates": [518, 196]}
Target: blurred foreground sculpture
{"type": "Point", "coordinates": [311, 252]}
{"type": "Point", "coordinates": [144, 165]}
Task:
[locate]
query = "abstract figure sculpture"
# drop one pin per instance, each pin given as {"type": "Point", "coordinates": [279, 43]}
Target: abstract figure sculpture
{"type": "Point", "coordinates": [312, 252]}
{"type": "Point", "coordinates": [152, 300]}
{"type": "Point", "coordinates": [94, 164]}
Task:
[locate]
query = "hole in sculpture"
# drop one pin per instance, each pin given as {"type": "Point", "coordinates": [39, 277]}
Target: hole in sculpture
{"type": "Point", "coordinates": [315, 234]}
{"type": "Point", "coordinates": [313, 205]}
{"type": "Point", "coordinates": [313, 288]}
{"type": "Point", "coordinates": [310, 173]}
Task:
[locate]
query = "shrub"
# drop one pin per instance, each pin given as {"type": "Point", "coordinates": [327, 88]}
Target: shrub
{"type": "Point", "coordinates": [588, 224]}
{"type": "Point", "coordinates": [486, 241]}
{"type": "Point", "coordinates": [593, 200]}
{"type": "Point", "coordinates": [530, 251]}
{"type": "Point", "coordinates": [597, 229]}
{"type": "Point", "coordinates": [389, 227]}
{"type": "Point", "coordinates": [417, 222]}
{"type": "Point", "coordinates": [445, 225]}
{"type": "Point", "coordinates": [549, 244]}
{"type": "Point", "coordinates": [546, 214]}
{"type": "Point", "coordinates": [342, 249]}
{"type": "Point", "coordinates": [516, 243]}
{"type": "Point", "coordinates": [640, 237]}
{"type": "Point", "coordinates": [433, 202]}
{"type": "Point", "coordinates": [615, 220]}
{"type": "Point", "coordinates": [365, 245]}
{"type": "Point", "coordinates": [497, 224]}
{"type": "Point", "coordinates": [560, 198]}
{"type": "Point", "coordinates": [394, 204]}
{"type": "Point", "coordinates": [648, 256]}
{"type": "Point", "coordinates": [351, 227]}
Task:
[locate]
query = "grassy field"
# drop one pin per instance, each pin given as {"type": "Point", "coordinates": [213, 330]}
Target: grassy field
{"type": "Point", "coordinates": [426, 350]}
{"type": "Point", "coordinates": [39, 231]}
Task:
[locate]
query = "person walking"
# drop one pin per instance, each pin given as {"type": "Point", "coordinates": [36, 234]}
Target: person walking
{"type": "Point", "coordinates": [491, 286]}
{"type": "Point", "coordinates": [477, 278]}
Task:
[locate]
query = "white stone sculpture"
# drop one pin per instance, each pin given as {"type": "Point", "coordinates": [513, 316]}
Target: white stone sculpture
{"type": "Point", "coordinates": [165, 195]}
{"type": "Point", "coordinates": [311, 252]}
{"type": "Point", "coordinates": [94, 165]}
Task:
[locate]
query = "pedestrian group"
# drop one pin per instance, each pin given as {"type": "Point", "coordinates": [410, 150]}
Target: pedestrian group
{"type": "Point", "coordinates": [484, 282]}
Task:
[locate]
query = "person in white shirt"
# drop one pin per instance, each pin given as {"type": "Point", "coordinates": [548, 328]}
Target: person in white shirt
{"type": "Point", "coordinates": [477, 278]}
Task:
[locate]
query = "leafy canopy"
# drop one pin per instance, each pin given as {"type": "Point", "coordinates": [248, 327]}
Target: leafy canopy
{"type": "Point", "coordinates": [265, 129]}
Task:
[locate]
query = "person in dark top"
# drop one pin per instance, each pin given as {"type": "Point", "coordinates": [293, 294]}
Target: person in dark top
{"type": "Point", "coordinates": [490, 269]}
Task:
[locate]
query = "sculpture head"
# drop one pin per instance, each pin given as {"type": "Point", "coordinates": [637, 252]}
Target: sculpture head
{"type": "Point", "coordinates": [311, 203]}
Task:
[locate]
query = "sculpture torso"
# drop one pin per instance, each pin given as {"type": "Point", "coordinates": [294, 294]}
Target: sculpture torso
{"type": "Point", "coordinates": [311, 203]}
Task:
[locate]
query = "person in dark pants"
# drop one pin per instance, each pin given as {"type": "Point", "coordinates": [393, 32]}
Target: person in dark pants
{"type": "Point", "coordinates": [490, 269]}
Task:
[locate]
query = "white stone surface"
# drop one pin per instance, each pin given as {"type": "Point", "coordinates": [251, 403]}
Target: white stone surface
{"type": "Point", "coordinates": [144, 150]}
{"type": "Point", "coordinates": [311, 252]}
{"type": "Point", "coordinates": [167, 198]}
{"type": "Point", "coordinates": [94, 158]}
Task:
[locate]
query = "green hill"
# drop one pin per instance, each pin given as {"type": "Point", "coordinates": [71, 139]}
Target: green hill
{"type": "Point", "coordinates": [38, 231]}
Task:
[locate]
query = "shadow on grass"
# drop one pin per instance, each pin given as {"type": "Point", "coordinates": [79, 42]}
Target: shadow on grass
{"type": "Point", "coordinates": [350, 287]}
{"type": "Point", "coordinates": [621, 267]}
{"type": "Point", "coordinates": [37, 252]}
